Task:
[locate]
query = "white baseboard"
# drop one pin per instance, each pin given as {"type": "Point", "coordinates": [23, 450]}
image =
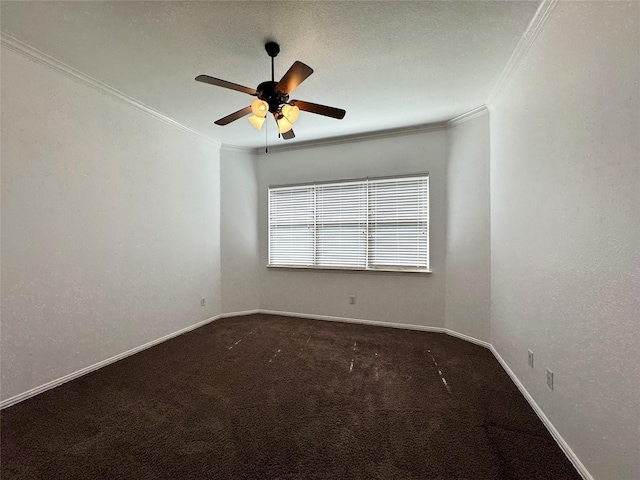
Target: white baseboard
{"type": "Point", "coordinates": [239, 314]}
{"type": "Point", "coordinates": [379, 323]}
{"type": "Point", "coordinates": [582, 470]}
{"type": "Point", "coordinates": [552, 429]}
{"type": "Point", "coordinates": [83, 371]}
{"type": "Point", "coordinates": [468, 338]}
{"type": "Point", "coordinates": [363, 321]}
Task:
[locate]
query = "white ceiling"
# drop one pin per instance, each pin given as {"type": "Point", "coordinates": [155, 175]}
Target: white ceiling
{"type": "Point", "coordinates": [389, 64]}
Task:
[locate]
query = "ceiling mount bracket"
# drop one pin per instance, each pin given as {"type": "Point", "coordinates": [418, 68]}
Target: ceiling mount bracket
{"type": "Point", "coordinates": [272, 48]}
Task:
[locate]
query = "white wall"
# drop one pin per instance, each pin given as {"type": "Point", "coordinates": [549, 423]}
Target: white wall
{"type": "Point", "coordinates": [468, 229]}
{"type": "Point", "coordinates": [110, 226]}
{"type": "Point", "coordinates": [399, 298]}
{"type": "Point", "coordinates": [565, 211]}
{"type": "Point", "coordinates": [113, 223]}
{"type": "Point", "coordinates": [239, 231]}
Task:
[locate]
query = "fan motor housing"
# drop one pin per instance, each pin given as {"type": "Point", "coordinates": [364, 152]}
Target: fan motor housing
{"type": "Point", "coordinates": [267, 92]}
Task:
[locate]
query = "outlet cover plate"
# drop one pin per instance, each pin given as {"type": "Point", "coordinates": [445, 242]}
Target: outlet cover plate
{"type": "Point", "coordinates": [550, 379]}
{"type": "Point", "coordinates": [530, 359]}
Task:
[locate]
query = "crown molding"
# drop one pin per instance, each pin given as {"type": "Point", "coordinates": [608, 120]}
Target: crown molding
{"type": "Point", "coordinates": [236, 148]}
{"type": "Point", "coordinates": [522, 48]}
{"type": "Point", "coordinates": [356, 137]}
{"type": "Point", "coordinates": [470, 115]}
{"type": "Point", "coordinates": [57, 66]}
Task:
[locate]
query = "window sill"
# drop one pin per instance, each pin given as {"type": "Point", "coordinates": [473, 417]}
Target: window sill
{"type": "Point", "coordinates": [395, 271]}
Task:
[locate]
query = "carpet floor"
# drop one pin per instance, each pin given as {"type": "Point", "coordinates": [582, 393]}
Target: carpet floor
{"type": "Point", "coordinates": [268, 397]}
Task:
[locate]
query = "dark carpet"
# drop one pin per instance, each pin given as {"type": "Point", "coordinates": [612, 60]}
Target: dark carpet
{"type": "Point", "coordinates": [266, 397]}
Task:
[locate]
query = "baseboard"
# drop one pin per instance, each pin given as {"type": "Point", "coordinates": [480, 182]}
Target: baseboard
{"type": "Point", "coordinates": [407, 326]}
{"type": "Point", "coordinates": [67, 378]}
{"type": "Point", "coordinates": [377, 323]}
{"type": "Point", "coordinates": [468, 338]}
{"type": "Point", "coordinates": [239, 314]}
{"type": "Point", "coordinates": [552, 429]}
{"type": "Point", "coordinates": [582, 470]}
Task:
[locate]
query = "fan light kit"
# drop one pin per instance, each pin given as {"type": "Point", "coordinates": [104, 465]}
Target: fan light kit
{"type": "Point", "coordinates": [288, 115]}
{"type": "Point", "coordinates": [273, 97]}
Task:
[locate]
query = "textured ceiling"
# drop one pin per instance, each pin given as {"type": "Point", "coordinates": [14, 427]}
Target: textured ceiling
{"type": "Point", "coordinates": [390, 64]}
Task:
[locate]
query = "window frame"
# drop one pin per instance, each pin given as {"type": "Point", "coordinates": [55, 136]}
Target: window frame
{"type": "Point", "coordinates": [368, 223]}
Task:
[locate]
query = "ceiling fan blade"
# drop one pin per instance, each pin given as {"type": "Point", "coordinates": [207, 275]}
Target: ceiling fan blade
{"type": "Point", "coordinates": [223, 83]}
{"type": "Point", "coordinates": [289, 135]}
{"type": "Point", "coordinates": [297, 73]}
{"type": "Point", "coordinates": [234, 116]}
{"type": "Point", "coordinates": [319, 109]}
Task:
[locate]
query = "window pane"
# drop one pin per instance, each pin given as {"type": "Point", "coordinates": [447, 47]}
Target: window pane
{"type": "Point", "coordinates": [398, 223]}
{"type": "Point", "coordinates": [342, 203]}
{"type": "Point", "coordinates": [341, 246]}
{"type": "Point", "coordinates": [291, 245]}
{"type": "Point", "coordinates": [291, 226]}
{"type": "Point", "coordinates": [341, 224]}
{"type": "Point", "coordinates": [398, 245]}
{"type": "Point", "coordinates": [291, 206]}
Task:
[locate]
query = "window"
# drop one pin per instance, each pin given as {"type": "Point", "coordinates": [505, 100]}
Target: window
{"type": "Point", "coordinates": [371, 224]}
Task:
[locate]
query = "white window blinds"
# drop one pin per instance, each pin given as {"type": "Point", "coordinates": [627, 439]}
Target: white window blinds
{"type": "Point", "coordinates": [292, 225]}
{"type": "Point", "coordinates": [373, 224]}
{"type": "Point", "coordinates": [398, 223]}
{"type": "Point", "coordinates": [341, 225]}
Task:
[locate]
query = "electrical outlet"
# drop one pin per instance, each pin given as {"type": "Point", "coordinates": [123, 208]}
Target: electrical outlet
{"type": "Point", "coordinates": [202, 302]}
{"type": "Point", "coordinates": [352, 299]}
{"type": "Point", "coordinates": [530, 358]}
{"type": "Point", "coordinates": [550, 379]}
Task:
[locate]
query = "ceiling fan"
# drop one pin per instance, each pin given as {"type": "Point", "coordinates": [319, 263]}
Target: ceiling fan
{"type": "Point", "coordinates": [273, 98]}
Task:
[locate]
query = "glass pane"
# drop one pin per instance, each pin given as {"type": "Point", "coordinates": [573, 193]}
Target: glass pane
{"type": "Point", "coordinates": [291, 245]}
{"type": "Point", "coordinates": [399, 245]}
{"type": "Point", "coordinates": [341, 245]}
